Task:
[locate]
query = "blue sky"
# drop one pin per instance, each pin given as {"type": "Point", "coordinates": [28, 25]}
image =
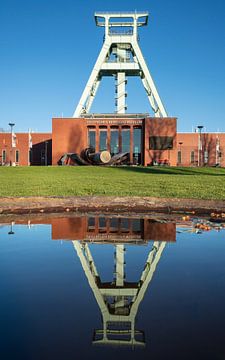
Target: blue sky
{"type": "Point", "coordinates": [48, 48]}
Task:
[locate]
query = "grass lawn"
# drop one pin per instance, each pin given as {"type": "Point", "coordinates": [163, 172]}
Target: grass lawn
{"type": "Point", "coordinates": [200, 183]}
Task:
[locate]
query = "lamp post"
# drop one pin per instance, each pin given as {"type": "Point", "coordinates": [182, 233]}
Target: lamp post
{"type": "Point", "coordinates": [11, 152]}
{"type": "Point", "coordinates": [180, 157]}
{"type": "Point", "coordinates": [200, 127]}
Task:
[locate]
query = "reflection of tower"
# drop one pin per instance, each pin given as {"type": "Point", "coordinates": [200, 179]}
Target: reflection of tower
{"type": "Point", "coordinates": [118, 300]}
{"type": "Point", "coordinates": [120, 57]}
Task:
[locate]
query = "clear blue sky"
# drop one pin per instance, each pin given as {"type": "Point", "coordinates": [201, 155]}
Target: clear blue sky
{"type": "Point", "coordinates": [48, 48]}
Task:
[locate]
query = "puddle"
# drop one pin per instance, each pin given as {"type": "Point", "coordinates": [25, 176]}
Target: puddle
{"type": "Point", "coordinates": [91, 286]}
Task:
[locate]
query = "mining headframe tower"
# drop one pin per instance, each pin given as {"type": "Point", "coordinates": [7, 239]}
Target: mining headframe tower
{"type": "Point", "coordinates": [118, 138]}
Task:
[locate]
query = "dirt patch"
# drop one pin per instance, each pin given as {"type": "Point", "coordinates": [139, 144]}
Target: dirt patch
{"type": "Point", "coordinates": [28, 205]}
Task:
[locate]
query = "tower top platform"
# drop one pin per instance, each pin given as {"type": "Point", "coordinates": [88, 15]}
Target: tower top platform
{"type": "Point", "coordinates": [118, 19]}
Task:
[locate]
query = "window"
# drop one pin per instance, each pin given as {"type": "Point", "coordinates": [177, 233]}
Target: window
{"type": "Point", "coordinates": [192, 157]}
{"type": "Point", "coordinates": [137, 146]}
{"type": "Point", "coordinates": [91, 224]}
{"type": "Point", "coordinates": [125, 225]}
{"type": "Point", "coordinates": [92, 138]}
{"type": "Point", "coordinates": [126, 140]}
{"type": "Point", "coordinates": [136, 225]}
{"type": "Point", "coordinates": [114, 225]}
{"type": "Point", "coordinates": [3, 156]}
{"type": "Point", "coordinates": [114, 141]}
{"type": "Point", "coordinates": [102, 225]}
{"type": "Point", "coordinates": [17, 156]}
{"type": "Point", "coordinates": [160, 142]}
{"type": "Point", "coordinates": [179, 157]}
{"type": "Point", "coordinates": [103, 139]}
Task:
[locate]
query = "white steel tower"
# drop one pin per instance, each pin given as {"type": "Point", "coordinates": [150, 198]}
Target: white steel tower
{"type": "Point", "coordinates": [120, 57]}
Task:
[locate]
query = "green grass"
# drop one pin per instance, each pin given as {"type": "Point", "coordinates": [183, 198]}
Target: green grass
{"type": "Point", "coordinates": [200, 183]}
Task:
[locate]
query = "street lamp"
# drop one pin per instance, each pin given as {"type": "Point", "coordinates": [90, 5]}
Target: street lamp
{"type": "Point", "coordinates": [11, 126]}
{"type": "Point", "coordinates": [180, 157]}
{"type": "Point", "coordinates": [200, 127]}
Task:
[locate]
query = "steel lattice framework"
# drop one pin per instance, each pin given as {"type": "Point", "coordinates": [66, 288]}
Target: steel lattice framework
{"type": "Point", "coordinates": [120, 57]}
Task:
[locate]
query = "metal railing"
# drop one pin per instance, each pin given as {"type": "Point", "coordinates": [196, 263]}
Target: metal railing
{"type": "Point", "coordinates": [97, 13]}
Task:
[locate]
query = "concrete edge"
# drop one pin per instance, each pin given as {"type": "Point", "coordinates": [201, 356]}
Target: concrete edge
{"type": "Point", "coordinates": [28, 205]}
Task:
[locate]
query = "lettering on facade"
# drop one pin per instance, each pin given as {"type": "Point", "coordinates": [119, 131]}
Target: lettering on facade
{"type": "Point", "coordinates": [112, 236]}
{"type": "Point", "coordinates": [114, 122]}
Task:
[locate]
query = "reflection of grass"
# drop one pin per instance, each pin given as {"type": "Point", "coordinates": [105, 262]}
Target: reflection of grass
{"type": "Point", "coordinates": [203, 183]}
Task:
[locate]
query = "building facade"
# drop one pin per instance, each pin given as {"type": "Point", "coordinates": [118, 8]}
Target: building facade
{"type": "Point", "coordinates": [24, 149]}
{"type": "Point", "coordinates": [148, 141]}
{"type": "Point", "coordinates": [201, 149]}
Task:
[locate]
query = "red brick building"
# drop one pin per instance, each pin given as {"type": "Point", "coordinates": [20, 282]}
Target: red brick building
{"type": "Point", "coordinates": [206, 149]}
{"type": "Point", "coordinates": [25, 149]}
{"type": "Point", "coordinates": [14, 151]}
{"type": "Point", "coordinates": [41, 151]}
{"type": "Point", "coordinates": [147, 141]}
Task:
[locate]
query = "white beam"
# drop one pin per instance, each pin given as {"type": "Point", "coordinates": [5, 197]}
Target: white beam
{"type": "Point", "coordinates": [92, 79]}
{"type": "Point", "coordinates": [148, 77]}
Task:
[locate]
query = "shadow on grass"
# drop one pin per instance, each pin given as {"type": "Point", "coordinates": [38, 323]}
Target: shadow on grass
{"type": "Point", "coordinates": [174, 170]}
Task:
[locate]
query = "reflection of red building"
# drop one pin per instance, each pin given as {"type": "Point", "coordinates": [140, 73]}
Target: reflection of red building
{"type": "Point", "coordinates": [112, 229]}
{"type": "Point", "coordinates": [108, 229]}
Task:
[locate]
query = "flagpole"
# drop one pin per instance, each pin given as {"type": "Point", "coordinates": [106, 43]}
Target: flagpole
{"type": "Point", "coordinates": [11, 155]}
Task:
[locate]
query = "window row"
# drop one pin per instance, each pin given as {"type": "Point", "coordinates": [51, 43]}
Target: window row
{"type": "Point", "coordinates": [4, 156]}
{"type": "Point", "coordinates": [195, 157]}
{"type": "Point", "coordinates": [118, 142]}
{"type": "Point", "coordinates": [114, 225]}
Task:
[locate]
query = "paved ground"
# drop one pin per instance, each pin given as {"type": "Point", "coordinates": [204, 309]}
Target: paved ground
{"type": "Point", "coordinates": [27, 205]}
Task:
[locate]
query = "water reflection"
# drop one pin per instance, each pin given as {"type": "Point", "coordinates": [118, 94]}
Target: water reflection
{"type": "Point", "coordinates": [118, 299]}
{"type": "Point", "coordinates": [58, 274]}
{"type": "Point", "coordinates": [11, 232]}
{"type": "Point", "coordinates": [104, 229]}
